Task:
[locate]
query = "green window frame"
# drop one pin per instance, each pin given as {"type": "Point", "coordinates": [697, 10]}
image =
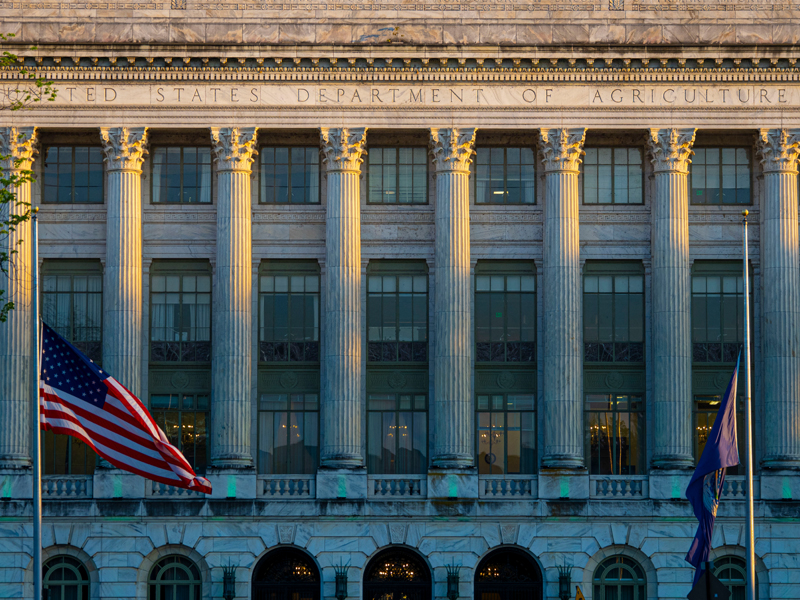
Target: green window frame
{"type": "Point", "coordinates": [73, 175]}
{"type": "Point", "coordinates": [181, 175]}
{"type": "Point", "coordinates": [288, 433]}
{"type": "Point", "coordinates": [397, 433]}
{"type": "Point", "coordinates": [289, 175]}
{"type": "Point", "coordinates": [397, 175]}
{"type": "Point", "coordinates": [732, 573]}
{"type": "Point", "coordinates": [65, 578]}
{"type": "Point", "coordinates": [506, 440]}
{"type": "Point", "coordinates": [613, 175]}
{"type": "Point", "coordinates": [720, 175]}
{"type": "Point", "coordinates": [505, 175]}
{"type": "Point", "coordinates": [174, 577]}
{"type": "Point", "coordinates": [619, 577]}
{"type": "Point", "coordinates": [717, 312]}
{"type": "Point", "coordinates": [615, 434]}
{"type": "Point", "coordinates": [704, 413]}
{"type": "Point", "coordinates": [184, 419]}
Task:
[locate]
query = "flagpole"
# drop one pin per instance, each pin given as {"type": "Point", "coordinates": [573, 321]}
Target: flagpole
{"type": "Point", "coordinates": [36, 441]}
{"type": "Point", "coordinates": [748, 427]}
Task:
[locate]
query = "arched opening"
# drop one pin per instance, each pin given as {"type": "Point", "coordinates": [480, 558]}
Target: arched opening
{"type": "Point", "coordinates": [508, 574]}
{"type": "Point", "coordinates": [286, 574]}
{"type": "Point", "coordinates": [731, 571]}
{"type": "Point", "coordinates": [397, 574]}
{"type": "Point", "coordinates": [65, 578]}
{"type": "Point", "coordinates": [174, 578]}
{"type": "Point", "coordinates": [619, 578]}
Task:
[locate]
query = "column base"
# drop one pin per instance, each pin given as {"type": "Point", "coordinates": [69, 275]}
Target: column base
{"type": "Point", "coordinates": [11, 462]}
{"type": "Point", "coordinates": [562, 461]}
{"type": "Point", "coordinates": [341, 484]}
{"type": "Point", "coordinates": [232, 483]}
{"type": "Point", "coordinates": [669, 484]}
{"type": "Point", "coordinates": [342, 461]}
{"type": "Point", "coordinates": [779, 485]}
{"type": "Point", "coordinates": [673, 462]}
{"type": "Point", "coordinates": [563, 484]}
{"type": "Point", "coordinates": [781, 463]}
{"type": "Point", "coordinates": [453, 461]}
{"type": "Point", "coordinates": [116, 483]}
{"type": "Point", "coordinates": [16, 483]}
{"type": "Point", "coordinates": [453, 484]}
{"type": "Point", "coordinates": [232, 461]}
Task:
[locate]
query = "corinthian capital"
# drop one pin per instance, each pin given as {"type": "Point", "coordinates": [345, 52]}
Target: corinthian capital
{"type": "Point", "coordinates": [452, 149]}
{"type": "Point", "coordinates": [561, 149]}
{"type": "Point", "coordinates": [18, 146]}
{"type": "Point", "coordinates": [671, 149]}
{"type": "Point", "coordinates": [124, 147]}
{"type": "Point", "coordinates": [234, 147]}
{"type": "Point", "coordinates": [778, 149]}
{"type": "Point", "coordinates": [343, 148]}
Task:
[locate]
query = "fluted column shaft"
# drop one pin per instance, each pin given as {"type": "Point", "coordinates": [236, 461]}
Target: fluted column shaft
{"type": "Point", "coordinates": [122, 280]}
{"type": "Point", "coordinates": [234, 149]}
{"type": "Point", "coordinates": [561, 150]}
{"type": "Point", "coordinates": [15, 333]}
{"type": "Point", "coordinates": [670, 150]}
{"type": "Point", "coordinates": [453, 411]}
{"type": "Point", "coordinates": [780, 265]}
{"type": "Point", "coordinates": [343, 150]}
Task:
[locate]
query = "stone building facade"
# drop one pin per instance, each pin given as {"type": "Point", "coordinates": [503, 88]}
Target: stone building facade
{"type": "Point", "coordinates": [414, 286]}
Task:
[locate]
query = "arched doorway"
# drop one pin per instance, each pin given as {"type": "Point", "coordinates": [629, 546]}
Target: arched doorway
{"type": "Point", "coordinates": [175, 577]}
{"type": "Point", "coordinates": [620, 577]}
{"type": "Point", "coordinates": [508, 574]}
{"type": "Point", "coordinates": [397, 574]}
{"type": "Point", "coordinates": [286, 574]}
{"type": "Point", "coordinates": [65, 578]}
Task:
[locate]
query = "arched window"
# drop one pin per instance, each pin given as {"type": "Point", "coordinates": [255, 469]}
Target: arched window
{"type": "Point", "coordinates": [397, 574]}
{"type": "Point", "coordinates": [619, 578]}
{"type": "Point", "coordinates": [175, 578]}
{"type": "Point", "coordinates": [286, 574]}
{"type": "Point", "coordinates": [508, 574]}
{"type": "Point", "coordinates": [731, 571]}
{"type": "Point", "coordinates": [65, 578]}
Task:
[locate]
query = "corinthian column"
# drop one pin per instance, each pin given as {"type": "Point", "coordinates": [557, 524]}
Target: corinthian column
{"type": "Point", "coordinates": [18, 147]}
{"type": "Point", "coordinates": [561, 151]}
{"type": "Point", "coordinates": [452, 151]}
{"type": "Point", "coordinates": [670, 151]}
{"type": "Point", "coordinates": [343, 151]}
{"type": "Point", "coordinates": [778, 151]}
{"type": "Point", "coordinates": [234, 149]}
{"type": "Point", "coordinates": [122, 282]}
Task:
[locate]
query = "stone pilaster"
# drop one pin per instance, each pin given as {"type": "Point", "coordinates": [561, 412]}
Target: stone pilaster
{"type": "Point", "coordinates": [343, 151]}
{"type": "Point", "coordinates": [453, 406]}
{"type": "Point", "coordinates": [670, 151]}
{"type": "Point", "coordinates": [561, 151]}
{"type": "Point", "coordinates": [780, 261]}
{"type": "Point", "coordinates": [122, 281]}
{"type": "Point", "coordinates": [18, 146]}
{"type": "Point", "coordinates": [234, 149]}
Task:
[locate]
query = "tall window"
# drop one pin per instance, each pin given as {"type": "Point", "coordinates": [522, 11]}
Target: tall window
{"type": "Point", "coordinates": [613, 318]}
{"type": "Point", "coordinates": [397, 319]}
{"type": "Point", "coordinates": [706, 407]}
{"type": "Point", "coordinates": [65, 578]}
{"type": "Point", "coordinates": [184, 419]}
{"type": "Point", "coordinates": [506, 434]}
{"type": "Point", "coordinates": [180, 309]}
{"type": "Point", "coordinates": [289, 175]}
{"type": "Point", "coordinates": [174, 578]}
{"type": "Point", "coordinates": [182, 175]}
{"type": "Point", "coordinates": [288, 433]}
{"type": "Point", "coordinates": [505, 318]}
{"type": "Point", "coordinates": [619, 578]}
{"type": "Point", "coordinates": [615, 434]}
{"type": "Point", "coordinates": [720, 176]}
{"type": "Point", "coordinates": [717, 317]}
{"type": "Point", "coordinates": [612, 176]}
{"type": "Point", "coordinates": [731, 571]}
{"type": "Point", "coordinates": [398, 175]}
{"type": "Point", "coordinates": [505, 176]}
{"type": "Point", "coordinates": [73, 175]}
{"type": "Point", "coordinates": [397, 433]}
{"type": "Point", "coordinates": [288, 317]}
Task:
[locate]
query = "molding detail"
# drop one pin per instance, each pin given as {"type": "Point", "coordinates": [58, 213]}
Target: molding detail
{"type": "Point", "coordinates": [671, 149]}
{"type": "Point", "coordinates": [344, 148]}
{"type": "Point", "coordinates": [124, 147]}
{"type": "Point", "coordinates": [778, 149]}
{"type": "Point", "coordinates": [20, 145]}
{"type": "Point", "coordinates": [234, 147]}
{"type": "Point", "coordinates": [452, 149]}
{"type": "Point", "coordinates": [561, 149]}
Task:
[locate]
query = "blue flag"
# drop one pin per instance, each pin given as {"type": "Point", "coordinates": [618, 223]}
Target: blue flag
{"type": "Point", "coordinates": [721, 451]}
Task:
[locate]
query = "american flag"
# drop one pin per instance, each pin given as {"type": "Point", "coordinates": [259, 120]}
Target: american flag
{"type": "Point", "coordinates": [78, 398]}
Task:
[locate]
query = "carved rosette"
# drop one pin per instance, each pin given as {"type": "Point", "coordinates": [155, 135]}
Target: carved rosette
{"type": "Point", "coordinates": [561, 149]}
{"type": "Point", "coordinates": [344, 148]}
{"type": "Point", "coordinates": [671, 149]}
{"type": "Point", "coordinates": [124, 147]}
{"type": "Point", "coordinates": [452, 149]}
{"type": "Point", "coordinates": [778, 149]}
{"type": "Point", "coordinates": [234, 147]}
{"type": "Point", "coordinates": [18, 146]}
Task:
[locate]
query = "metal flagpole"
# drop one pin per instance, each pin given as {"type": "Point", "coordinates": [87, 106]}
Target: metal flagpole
{"type": "Point", "coordinates": [36, 441]}
{"type": "Point", "coordinates": [748, 427]}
